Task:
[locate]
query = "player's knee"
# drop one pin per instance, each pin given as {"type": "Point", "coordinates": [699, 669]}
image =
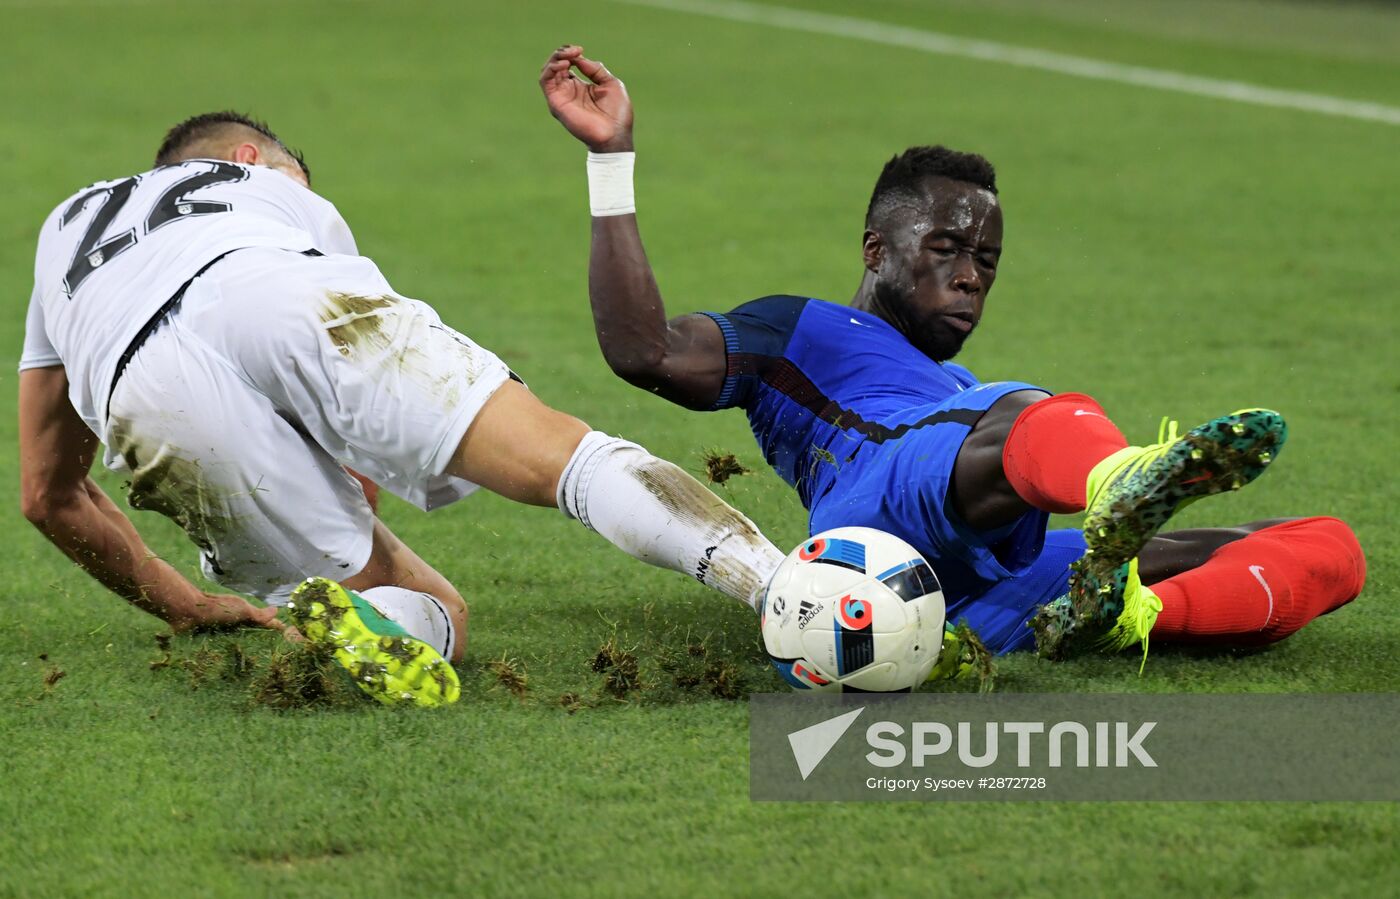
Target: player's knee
{"type": "Point", "coordinates": [982, 496]}
{"type": "Point", "coordinates": [539, 476]}
{"type": "Point", "coordinates": [1004, 412]}
{"type": "Point", "coordinates": [530, 482]}
{"type": "Point", "coordinates": [518, 446]}
{"type": "Point", "coordinates": [988, 436]}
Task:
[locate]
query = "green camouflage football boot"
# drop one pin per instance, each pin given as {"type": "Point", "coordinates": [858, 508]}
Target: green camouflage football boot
{"type": "Point", "coordinates": [1131, 494]}
{"type": "Point", "coordinates": [1139, 607]}
{"type": "Point", "coordinates": [383, 660]}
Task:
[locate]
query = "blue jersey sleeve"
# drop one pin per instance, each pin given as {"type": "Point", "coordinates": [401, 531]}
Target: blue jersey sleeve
{"type": "Point", "coordinates": [754, 334]}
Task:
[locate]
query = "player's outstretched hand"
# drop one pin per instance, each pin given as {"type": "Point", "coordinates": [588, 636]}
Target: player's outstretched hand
{"type": "Point", "coordinates": [222, 612]}
{"type": "Point", "coordinates": [596, 111]}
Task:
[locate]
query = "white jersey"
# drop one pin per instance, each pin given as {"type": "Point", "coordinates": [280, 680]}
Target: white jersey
{"type": "Point", "coordinates": [112, 254]}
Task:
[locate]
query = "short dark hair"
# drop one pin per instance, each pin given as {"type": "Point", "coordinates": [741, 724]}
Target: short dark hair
{"type": "Point", "coordinates": [902, 174]}
{"type": "Point", "coordinates": [206, 126]}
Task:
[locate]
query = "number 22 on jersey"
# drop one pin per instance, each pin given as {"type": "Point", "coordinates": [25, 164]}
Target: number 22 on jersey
{"type": "Point", "coordinates": [173, 205]}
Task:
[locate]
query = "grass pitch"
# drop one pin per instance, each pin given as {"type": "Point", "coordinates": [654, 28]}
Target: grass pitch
{"type": "Point", "coordinates": [1170, 254]}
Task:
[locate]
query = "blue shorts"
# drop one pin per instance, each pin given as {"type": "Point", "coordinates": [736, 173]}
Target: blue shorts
{"type": "Point", "coordinates": [1000, 615]}
{"type": "Point", "coordinates": [993, 581]}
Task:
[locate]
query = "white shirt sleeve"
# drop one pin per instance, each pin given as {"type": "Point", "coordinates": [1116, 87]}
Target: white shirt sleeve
{"type": "Point", "coordinates": [38, 350]}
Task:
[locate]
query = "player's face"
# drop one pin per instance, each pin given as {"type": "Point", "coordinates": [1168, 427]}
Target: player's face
{"type": "Point", "coordinates": [938, 263]}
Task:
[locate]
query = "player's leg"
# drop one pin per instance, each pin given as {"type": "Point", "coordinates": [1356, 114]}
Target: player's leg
{"type": "Point", "coordinates": [384, 386]}
{"type": "Point", "coordinates": [651, 509]}
{"type": "Point", "coordinates": [1063, 454]}
{"type": "Point", "coordinates": [1262, 584]}
{"type": "Point", "coordinates": [1033, 451]}
{"type": "Point", "coordinates": [1247, 585]}
{"type": "Point", "coordinates": [1177, 552]}
{"type": "Point", "coordinates": [409, 591]}
{"type": "Point", "coordinates": [980, 491]}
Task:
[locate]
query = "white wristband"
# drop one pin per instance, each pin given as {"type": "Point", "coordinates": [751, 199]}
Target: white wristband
{"type": "Point", "coordinates": [610, 183]}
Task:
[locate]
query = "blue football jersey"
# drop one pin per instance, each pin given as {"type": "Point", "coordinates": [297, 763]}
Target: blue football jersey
{"type": "Point", "coordinates": [819, 379]}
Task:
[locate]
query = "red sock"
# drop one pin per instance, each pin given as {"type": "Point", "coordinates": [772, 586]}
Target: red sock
{"type": "Point", "coordinates": [1053, 446]}
{"type": "Point", "coordinates": [1262, 588]}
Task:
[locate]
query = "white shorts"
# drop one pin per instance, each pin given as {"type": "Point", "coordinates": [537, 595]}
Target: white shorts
{"type": "Point", "coordinates": [235, 418]}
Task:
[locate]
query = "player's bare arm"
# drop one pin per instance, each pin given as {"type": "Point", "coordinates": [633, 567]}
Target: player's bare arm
{"type": "Point", "coordinates": [683, 359]}
{"type": "Point", "coordinates": [72, 511]}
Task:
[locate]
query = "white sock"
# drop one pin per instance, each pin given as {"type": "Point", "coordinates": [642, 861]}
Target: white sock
{"type": "Point", "coordinates": [421, 614]}
{"type": "Point", "coordinates": [655, 512]}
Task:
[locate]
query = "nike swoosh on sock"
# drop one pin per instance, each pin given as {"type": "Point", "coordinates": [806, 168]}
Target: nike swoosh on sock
{"type": "Point", "coordinates": [1258, 572]}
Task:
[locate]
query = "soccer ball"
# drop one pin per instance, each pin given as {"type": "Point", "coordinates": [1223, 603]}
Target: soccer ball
{"type": "Point", "coordinates": [853, 610]}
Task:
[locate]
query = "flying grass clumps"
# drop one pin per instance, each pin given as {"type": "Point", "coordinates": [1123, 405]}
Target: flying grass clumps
{"type": "Point", "coordinates": [721, 466]}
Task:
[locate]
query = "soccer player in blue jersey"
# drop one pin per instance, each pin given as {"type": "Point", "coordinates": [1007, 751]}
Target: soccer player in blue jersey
{"type": "Point", "coordinates": [860, 409]}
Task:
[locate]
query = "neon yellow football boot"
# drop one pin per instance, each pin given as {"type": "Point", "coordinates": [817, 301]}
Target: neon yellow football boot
{"type": "Point", "coordinates": [1134, 623]}
{"type": "Point", "coordinates": [383, 660]}
{"type": "Point", "coordinates": [1132, 494]}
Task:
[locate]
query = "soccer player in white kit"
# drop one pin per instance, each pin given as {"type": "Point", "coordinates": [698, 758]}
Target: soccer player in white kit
{"type": "Point", "coordinates": [212, 323]}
